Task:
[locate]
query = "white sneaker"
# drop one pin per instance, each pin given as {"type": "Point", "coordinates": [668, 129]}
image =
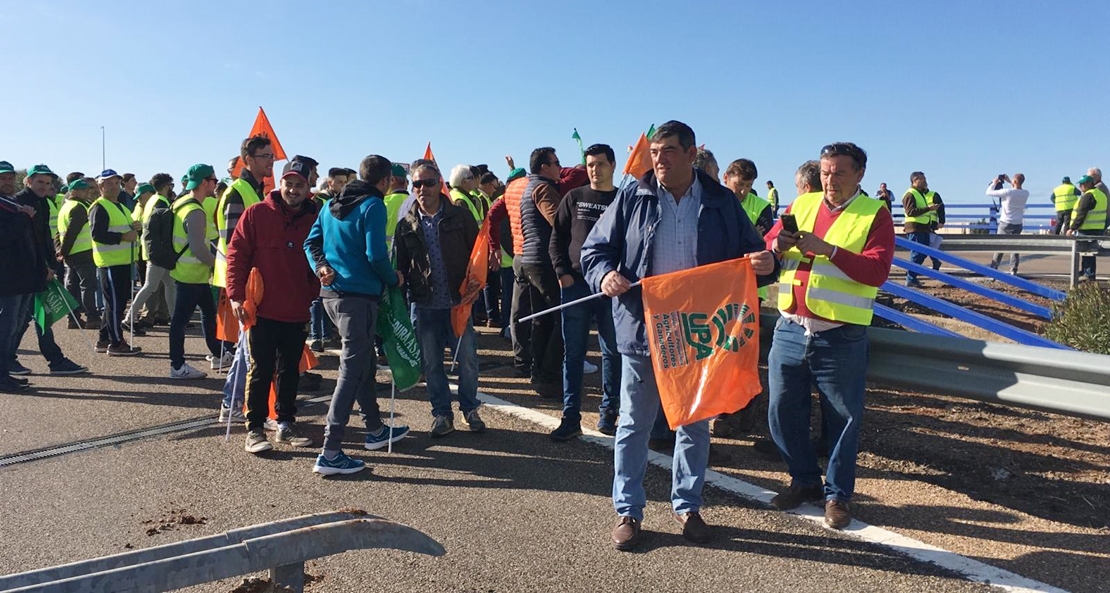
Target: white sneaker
{"type": "Point", "coordinates": [187, 372]}
{"type": "Point", "coordinates": [220, 362]}
{"type": "Point", "coordinates": [236, 415]}
{"type": "Point", "coordinates": [270, 424]}
{"type": "Point", "coordinates": [588, 368]}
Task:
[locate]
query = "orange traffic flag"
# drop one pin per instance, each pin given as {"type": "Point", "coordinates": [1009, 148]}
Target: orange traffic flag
{"type": "Point", "coordinates": [477, 272]}
{"type": "Point", "coordinates": [639, 160]}
{"type": "Point", "coordinates": [703, 331]}
{"type": "Point", "coordinates": [428, 153]}
{"type": "Point", "coordinates": [446, 191]}
{"type": "Point", "coordinates": [262, 127]}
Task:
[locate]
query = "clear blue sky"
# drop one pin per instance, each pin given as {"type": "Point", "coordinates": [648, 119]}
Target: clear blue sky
{"type": "Point", "coordinates": [960, 90]}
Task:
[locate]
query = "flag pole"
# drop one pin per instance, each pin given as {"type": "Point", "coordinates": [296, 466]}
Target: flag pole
{"type": "Point", "coordinates": [231, 408]}
{"type": "Point", "coordinates": [72, 312]}
{"type": "Point", "coordinates": [131, 281]}
{"type": "Point", "coordinates": [392, 399]}
{"type": "Point", "coordinates": [570, 304]}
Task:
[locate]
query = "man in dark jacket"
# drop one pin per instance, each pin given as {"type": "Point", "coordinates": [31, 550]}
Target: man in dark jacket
{"type": "Point", "coordinates": [39, 189]}
{"type": "Point", "coordinates": [433, 244]}
{"type": "Point", "coordinates": [270, 238]}
{"type": "Point", "coordinates": [20, 276]}
{"type": "Point", "coordinates": [675, 218]}
{"type": "Point", "coordinates": [346, 247]}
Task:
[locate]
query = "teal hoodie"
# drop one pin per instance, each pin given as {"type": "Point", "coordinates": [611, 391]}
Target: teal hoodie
{"type": "Point", "coordinates": [349, 237]}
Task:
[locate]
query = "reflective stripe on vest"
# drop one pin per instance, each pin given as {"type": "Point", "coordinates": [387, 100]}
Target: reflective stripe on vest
{"type": "Point", "coordinates": [189, 269]}
{"type": "Point", "coordinates": [923, 201]}
{"type": "Point", "coordinates": [1065, 197]}
{"type": "Point", "coordinates": [754, 205]}
{"type": "Point", "coordinates": [250, 198]}
{"type": "Point", "coordinates": [83, 242]}
{"type": "Point", "coordinates": [1096, 216]}
{"type": "Point", "coordinates": [829, 292]}
{"type": "Point", "coordinates": [119, 221]}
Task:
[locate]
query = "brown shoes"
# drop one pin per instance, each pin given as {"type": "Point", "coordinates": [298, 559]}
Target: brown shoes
{"type": "Point", "coordinates": [626, 534]}
{"type": "Point", "coordinates": [796, 496]}
{"type": "Point", "coordinates": [694, 527]}
{"type": "Point", "coordinates": [838, 513]}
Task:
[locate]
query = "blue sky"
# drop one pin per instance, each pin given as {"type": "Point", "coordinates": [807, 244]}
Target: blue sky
{"type": "Point", "coordinates": [960, 90]}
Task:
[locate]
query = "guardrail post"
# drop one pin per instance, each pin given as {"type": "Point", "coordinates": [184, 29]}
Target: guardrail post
{"type": "Point", "coordinates": [289, 575]}
{"type": "Point", "coordinates": [1074, 263]}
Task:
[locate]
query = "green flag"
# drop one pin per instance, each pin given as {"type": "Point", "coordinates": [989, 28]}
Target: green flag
{"type": "Point", "coordinates": [581, 150]}
{"type": "Point", "coordinates": [651, 132]}
{"type": "Point", "coordinates": [53, 304]}
{"type": "Point", "coordinates": [399, 339]}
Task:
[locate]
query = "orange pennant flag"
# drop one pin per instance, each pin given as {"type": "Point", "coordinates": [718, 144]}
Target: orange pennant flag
{"type": "Point", "coordinates": [477, 272]}
{"type": "Point", "coordinates": [428, 153]}
{"type": "Point", "coordinates": [262, 127]}
{"type": "Point", "coordinates": [428, 156]}
{"type": "Point", "coordinates": [639, 160]}
{"type": "Point", "coordinates": [704, 341]}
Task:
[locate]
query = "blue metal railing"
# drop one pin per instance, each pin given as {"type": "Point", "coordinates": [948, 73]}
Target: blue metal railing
{"type": "Point", "coordinates": [1015, 281]}
{"type": "Point", "coordinates": [1034, 219]}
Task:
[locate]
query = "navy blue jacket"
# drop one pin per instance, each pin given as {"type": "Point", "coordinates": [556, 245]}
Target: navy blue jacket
{"type": "Point", "coordinates": [534, 227]}
{"type": "Point", "coordinates": [622, 240]}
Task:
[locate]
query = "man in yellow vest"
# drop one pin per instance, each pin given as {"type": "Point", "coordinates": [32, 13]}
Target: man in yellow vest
{"type": "Point", "coordinates": [1064, 198]}
{"type": "Point", "coordinates": [159, 294]}
{"type": "Point", "coordinates": [192, 271]}
{"type": "Point", "coordinates": [257, 157]}
{"type": "Point", "coordinates": [831, 270]}
{"type": "Point", "coordinates": [75, 247]}
{"type": "Point", "coordinates": [1089, 218]}
{"type": "Point", "coordinates": [920, 206]}
{"type": "Point", "coordinates": [114, 234]}
{"type": "Point", "coordinates": [463, 184]}
{"type": "Point", "coordinates": [773, 198]}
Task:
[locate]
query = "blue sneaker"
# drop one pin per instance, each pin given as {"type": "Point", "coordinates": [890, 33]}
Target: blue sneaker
{"type": "Point", "coordinates": [384, 436]}
{"type": "Point", "coordinates": [342, 464]}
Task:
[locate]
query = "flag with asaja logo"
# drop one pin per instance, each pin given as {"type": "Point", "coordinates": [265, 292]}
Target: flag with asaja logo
{"type": "Point", "coordinates": [703, 331]}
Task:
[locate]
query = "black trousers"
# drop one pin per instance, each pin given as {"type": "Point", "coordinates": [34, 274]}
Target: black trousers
{"type": "Point", "coordinates": [275, 347]}
{"type": "Point", "coordinates": [115, 286]}
{"type": "Point", "coordinates": [547, 332]}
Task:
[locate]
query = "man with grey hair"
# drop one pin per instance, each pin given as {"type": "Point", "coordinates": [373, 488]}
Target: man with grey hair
{"type": "Point", "coordinates": [463, 184]}
{"type": "Point", "coordinates": [705, 161]}
{"type": "Point", "coordinates": [808, 177]}
{"type": "Point", "coordinates": [1096, 174]}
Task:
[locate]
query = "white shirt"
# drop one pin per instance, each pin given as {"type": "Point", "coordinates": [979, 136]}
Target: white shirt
{"type": "Point", "coordinates": [1012, 203]}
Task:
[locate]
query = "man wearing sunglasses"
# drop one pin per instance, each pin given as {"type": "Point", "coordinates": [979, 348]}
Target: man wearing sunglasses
{"type": "Point", "coordinates": [832, 267]}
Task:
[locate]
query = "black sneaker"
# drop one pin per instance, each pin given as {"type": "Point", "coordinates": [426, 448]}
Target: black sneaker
{"type": "Point", "coordinates": [14, 369]}
{"type": "Point", "coordinates": [101, 347]}
{"type": "Point", "coordinates": [123, 349]}
{"type": "Point", "coordinates": [67, 367]}
{"type": "Point", "coordinates": [133, 329]}
{"type": "Point", "coordinates": [310, 381]}
{"type": "Point", "coordinates": [607, 423]}
{"type": "Point", "coordinates": [568, 429]}
{"type": "Point", "coordinates": [316, 346]}
{"type": "Point", "coordinates": [11, 386]}
{"type": "Point", "coordinates": [796, 496]}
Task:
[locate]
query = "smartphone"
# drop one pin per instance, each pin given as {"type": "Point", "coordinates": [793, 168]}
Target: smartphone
{"type": "Point", "coordinates": [789, 224]}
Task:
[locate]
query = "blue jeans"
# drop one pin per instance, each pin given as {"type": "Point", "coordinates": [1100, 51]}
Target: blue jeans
{"type": "Point", "coordinates": [11, 314]}
{"type": "Point", "coordinates": [320, 327]}
{"type": "Point", "coordinates": [639, 407]}
{"type": "Point", "coordinates": [189, 297]}
{"type": "Point", "coordinates": [235, 384]}
{"type": "Point", "coordinates": [921, 237]}
{"type": "Point", "coordinates": [433, 329]}
{"type": "Point", "coordinates": [576, 333]}
{"type": "Point", "coordinates": [47, 346]}
{"type": "Point", "coordinates": [836, 362]}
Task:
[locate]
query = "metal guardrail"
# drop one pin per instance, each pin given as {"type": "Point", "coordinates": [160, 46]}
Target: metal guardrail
{"type": "Point", "coordinates": [281, 547]}
{"type": "Point", "coordinates": [1076, 246]}
{"type": "Point", "coordinates": [1057, 381]}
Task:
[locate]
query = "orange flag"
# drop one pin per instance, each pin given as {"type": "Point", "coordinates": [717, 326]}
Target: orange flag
{"type": "Point", "coordinates": [639, 160]}
{"type": "Point", "coordinates": [431, 157]}
{"type": "Point", "coordinates": [262, 127]}
{"type": "Point", "coordinates": [705, 340]}
{"type": "Point", "coordinates": [477, 270]}
{"type": "Point", "coordinates": [227, 326]}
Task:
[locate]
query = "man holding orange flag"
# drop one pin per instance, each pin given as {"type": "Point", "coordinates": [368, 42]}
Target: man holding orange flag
{"type": "Point", "coordinates": [433, 243]}
{"type": "Point", "coordinates": [673, 218]}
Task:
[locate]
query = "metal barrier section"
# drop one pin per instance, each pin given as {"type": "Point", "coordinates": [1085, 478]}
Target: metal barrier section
{"type": "Point", "coordinates": [1016, 282]}
{"type": "Point", "coordinates": [281, 547]}
{"type": "Point", "coordinates": [976, 288]}
{"type": "Point", "coordinates": [912, 323]}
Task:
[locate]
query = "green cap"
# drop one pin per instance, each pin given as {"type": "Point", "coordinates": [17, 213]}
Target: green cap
{"type": "Point", "coordinates": [516, 173]}
{"type": "Point", "coordinates": [399, 171]}
{"type": "Point", "coordinates": [1086, 179]}
{"type": "Point", "coordinates": [144, 188]}
{"type": "Point", "coordinates": [196, 175]}
{"type": "Point", "coordinates": [6, 167]}
{"type": "Point", "coordinates": [78, 184]}
{"type": "Point", "coordinates": [40, 170]}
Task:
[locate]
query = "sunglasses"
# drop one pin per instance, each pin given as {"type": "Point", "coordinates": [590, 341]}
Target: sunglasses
{"type": "Point", "coordinates": [841, 149]}
{"type": "Point", "coordinates": [263, 156]}
{"type": "Point", "coordinates": [425, 183]}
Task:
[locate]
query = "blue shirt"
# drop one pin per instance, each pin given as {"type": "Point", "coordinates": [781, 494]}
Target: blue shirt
{"type": "Point", "coordinates": [675, 246]}
{"type": "Point", "coordinates": [441, 297]}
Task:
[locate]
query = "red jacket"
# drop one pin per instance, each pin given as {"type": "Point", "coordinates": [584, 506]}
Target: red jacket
{"type": "Point", "coordinates": [271, 238]}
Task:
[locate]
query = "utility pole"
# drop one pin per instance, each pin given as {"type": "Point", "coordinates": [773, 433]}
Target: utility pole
{"type": "Point", "coordinates": [103, 159]}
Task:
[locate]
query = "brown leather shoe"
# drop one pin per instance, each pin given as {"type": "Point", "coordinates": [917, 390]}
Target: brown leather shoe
{"type": "Point", "coordinates": [838, 513]}
{"type": "Point", "coordinates": [694, 527]}
{"type": "Point", "coordinates": [626, 534]}
{"type": "Point", "coordinates": [796, 496]}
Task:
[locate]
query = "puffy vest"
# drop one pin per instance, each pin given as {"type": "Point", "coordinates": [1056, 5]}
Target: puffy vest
{"type": "Point", "coordinates": [189, 269]}
{"type": "Point", "coordinates": [147, 211]}
{"type": "Point", "coordinates": [753, 206]}
{"type": "Point", "coordinates": [829, 292]}
{"type": "Point", "coordinates": [83, 242]}
{"type": "Point", "coordinates": [534, 227]}
{"type": "Point", "coordinates": [514, 191]}
{"type": "Point", "coordinates": [1096, 216]}
{"type": "Point", "coordinates": [1065, 197]}
{"type": "Point", "coordinates": [250, 198]}
{"type": "Point", "coordinates": [119, 221]}
{"type": "Point", "coordinates": [393, 203]}
{"type": "Point", "coordinates": [923, 201]}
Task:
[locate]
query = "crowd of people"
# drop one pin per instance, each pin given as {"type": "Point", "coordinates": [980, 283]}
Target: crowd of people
{"type": "Point", "coordinates": [557, 234]}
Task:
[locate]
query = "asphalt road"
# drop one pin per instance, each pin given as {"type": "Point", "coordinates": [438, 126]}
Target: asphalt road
{"type": "Point", "coordinates": [515, 511]}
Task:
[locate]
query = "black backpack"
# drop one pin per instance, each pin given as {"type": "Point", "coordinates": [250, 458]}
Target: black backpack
{"type": "Point", "coordinates": [158, 237]}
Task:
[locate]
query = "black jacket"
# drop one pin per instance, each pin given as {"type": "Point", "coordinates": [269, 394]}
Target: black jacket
{"type": "Point", "coordinates": [21, 266]}
{"type": "Point", "coordinates": [44, 235]}
{"type": "Point", "coordinates": [457, 233]}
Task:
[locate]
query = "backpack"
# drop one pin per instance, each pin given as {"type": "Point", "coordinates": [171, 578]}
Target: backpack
{"type": "Point", "coordinates": [158, 237]}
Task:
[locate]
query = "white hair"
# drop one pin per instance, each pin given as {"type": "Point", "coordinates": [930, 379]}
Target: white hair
{"type": "Point", "coordinates": [458, 173]}
{"type": "Point", "coordinates": [1095, 172]}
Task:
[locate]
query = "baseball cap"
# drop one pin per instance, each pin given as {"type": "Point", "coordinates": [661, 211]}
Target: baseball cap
{"type": "Point", "coordinates": [399, 171]}
{"type": "Point", "coordinates": [1086, 179]}
{"type": "Point", "coordinates": [6, 167]}
{"type": "Point", "coordinates": [40, 170]}
{"type": "Point", "coordinates": [107, 173]}
{"type": "Point", "coordinates": [78, 184]}
{"type": "Point", "coordinates": [197, 174]}
{"type": "Point", "coordinates": [297, 166]}
{"type": "Point", "coordinates": [516, 173]}
{"type": "Point", "coordinates": [144, 188]}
